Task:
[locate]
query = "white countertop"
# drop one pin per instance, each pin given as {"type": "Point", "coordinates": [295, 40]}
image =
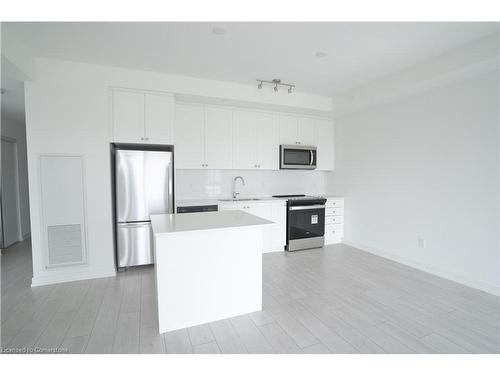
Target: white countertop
{"type": "Point", "coordinates": [172, 223]}
{"type": "Point", "coordinates": [210, 201]}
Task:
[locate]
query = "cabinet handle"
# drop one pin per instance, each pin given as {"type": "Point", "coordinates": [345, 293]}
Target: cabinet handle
{"type": "Point", "coordinates": [142, 138]}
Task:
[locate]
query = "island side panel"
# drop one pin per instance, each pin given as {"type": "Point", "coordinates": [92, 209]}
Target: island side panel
{"type": "Point", "coordinates": [208, 275]}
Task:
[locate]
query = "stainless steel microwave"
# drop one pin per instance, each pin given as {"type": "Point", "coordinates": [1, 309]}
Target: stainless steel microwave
{"type": "Point", "coordinates": [298, 157]}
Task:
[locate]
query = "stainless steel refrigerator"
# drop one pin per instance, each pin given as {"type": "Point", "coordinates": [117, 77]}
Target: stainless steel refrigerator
{"type": "Point", "coordinates": [143, 186]}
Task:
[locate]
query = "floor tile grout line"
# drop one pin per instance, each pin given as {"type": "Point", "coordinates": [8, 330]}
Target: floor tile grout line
{"type": "Point", "coordinates": [345, 339]}
{"type": "Point", "coordinates": [84, 349]}
{"type": "Point", "coordinates": [31, 315]}
{"type": "Point", "coordinates": [122, 297]}
{"type": "Point", "coordinates": [51, 318]}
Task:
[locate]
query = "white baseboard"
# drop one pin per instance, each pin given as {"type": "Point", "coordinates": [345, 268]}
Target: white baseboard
{"type": "Point", "coordinates": [476, 284]}
{"type": "Point", "coordinates": [274, 250]}
{"type": "Point", "coordinates": [66, 277]}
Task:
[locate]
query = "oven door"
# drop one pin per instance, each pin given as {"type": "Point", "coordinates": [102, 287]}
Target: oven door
{"type": "Point", "coordinates": [306, 227]}
{"type": "Point", "coordinates": [297, 157]}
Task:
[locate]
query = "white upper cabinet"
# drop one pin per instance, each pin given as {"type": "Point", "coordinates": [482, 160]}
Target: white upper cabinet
{"type": "Point", "coordinates": [203, 137]}
{"type": "Point", "coordinates": [305, 131]}
{"type": "Point", "coordinates": [296, 130]}
{"type": "Point", "coordinates": [128, 116]}
{"type": "Point", "coordinates": [255, 140]}
{"type": "Point", "coordinates": [268, 138]}
{"type": "Point", "coordinates": [189, 136]}
{"type": "Point", "coordinates": [244, 140]}
{"type": "Point", "coordinates": [159, 118]}
{"type": "Point", "coordinates": [288, 129]}
{"type": "Point", "coordinates": [142, 117]}
{"type": "Point", "coordinates": [218, 138]}
{"type": "Point", "coordinates": [324, 136]}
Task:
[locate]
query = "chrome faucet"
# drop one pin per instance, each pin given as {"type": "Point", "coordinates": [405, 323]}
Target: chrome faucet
{"type": "Point", "coordinates": [236, 193]}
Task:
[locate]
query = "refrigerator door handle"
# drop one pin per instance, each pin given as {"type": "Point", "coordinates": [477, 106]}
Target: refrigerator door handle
{"type": "Point", "coordinates": [134, 224]}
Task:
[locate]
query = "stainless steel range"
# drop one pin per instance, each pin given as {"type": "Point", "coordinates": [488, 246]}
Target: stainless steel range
{"type": "Point", "coordinates": [305, 221]}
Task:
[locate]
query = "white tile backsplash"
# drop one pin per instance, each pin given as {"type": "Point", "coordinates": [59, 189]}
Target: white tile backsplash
{"type": "Point", "coordinates": [201, 184]}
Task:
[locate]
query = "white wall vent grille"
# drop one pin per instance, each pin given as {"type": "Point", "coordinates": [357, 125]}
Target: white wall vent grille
{"type": "Point", "coordinates": [65, 244]}
{"type": "Point", "coordinates": [62, 188]}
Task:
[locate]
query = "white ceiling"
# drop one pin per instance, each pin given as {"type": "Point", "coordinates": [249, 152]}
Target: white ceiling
{"type": "Point", "coordinates": [358, 53]}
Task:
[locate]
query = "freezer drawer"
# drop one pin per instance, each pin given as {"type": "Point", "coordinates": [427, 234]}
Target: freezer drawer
{"type": "Point", "coordinates": [134, 244]}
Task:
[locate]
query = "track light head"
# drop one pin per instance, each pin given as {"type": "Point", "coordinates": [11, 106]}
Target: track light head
{"type": "Point", "coordinates": [276, 83]}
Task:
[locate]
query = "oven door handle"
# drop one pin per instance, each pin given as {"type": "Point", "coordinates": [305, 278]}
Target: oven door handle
{"type": "Point", "coordinates": [312, 207]}
{"type": "Point", "coordinates": [312, 157]}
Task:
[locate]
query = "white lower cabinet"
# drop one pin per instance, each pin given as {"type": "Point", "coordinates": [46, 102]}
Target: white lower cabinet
{"type": "Point", "coordinates": [334, 220]}
{"type": "Point", "coordinates": [274, 236]}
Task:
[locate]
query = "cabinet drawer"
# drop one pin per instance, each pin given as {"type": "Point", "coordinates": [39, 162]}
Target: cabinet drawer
{"type": "Point", "coordinates": [333, 220]}
{"type": "Point", "coordinates": [333, 211]}
{"type": "Point", "coordinates": [332, 202]}
{"type": "Point", "coordinates": [334, 230]}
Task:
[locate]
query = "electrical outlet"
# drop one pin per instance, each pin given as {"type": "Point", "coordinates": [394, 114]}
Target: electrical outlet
{"type": "Point", "coordinates": [421, 243]}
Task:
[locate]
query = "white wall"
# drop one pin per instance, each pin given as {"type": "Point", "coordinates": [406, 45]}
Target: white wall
{"type": "Point", "coordinates": [17, 131]}
{"type": "Point", "coordinates": [194, 184]}
{"type": "Point", "coordinates": [426, 166]}
{"type": "Point", "coordinates": [68, 112]}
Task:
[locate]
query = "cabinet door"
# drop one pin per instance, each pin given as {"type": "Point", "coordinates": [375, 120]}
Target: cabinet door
{"type": "Point", "coordinates": [265, 212]}
{"type": "Point", "coordinates": [324, 133]}
{"type": "Point", "coordinates": [305, 131]}
{"type": "Point", "coordinates": [261, 210]}
{"type": "Point", "coordinates": [288, 129]}
{"type": "Point", "coordinates": [244, 140]}
{"type": "Point", "coordinates": [218, 138]}
{"type": "Point", "coordinates": [268, 141]}
{"type": "Point", "coordinates": [159, 119]}
{"type": "Point", "coordinates": [128, 116]}
{"type": "Point", "coordinates": [278, 232]}
{"type": "Point", "coordinates": [189, 136]}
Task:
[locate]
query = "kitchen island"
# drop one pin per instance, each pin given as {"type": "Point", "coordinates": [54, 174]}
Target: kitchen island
{"type": "Point", "coordinates": [208, 266]}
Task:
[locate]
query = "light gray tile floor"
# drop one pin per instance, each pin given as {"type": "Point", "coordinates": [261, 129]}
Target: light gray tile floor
{"type": "Point", "coordinates": [337, 299]}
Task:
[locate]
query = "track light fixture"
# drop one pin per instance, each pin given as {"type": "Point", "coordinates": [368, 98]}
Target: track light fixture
{"type": "Point", "coordinates": [276, 82]}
